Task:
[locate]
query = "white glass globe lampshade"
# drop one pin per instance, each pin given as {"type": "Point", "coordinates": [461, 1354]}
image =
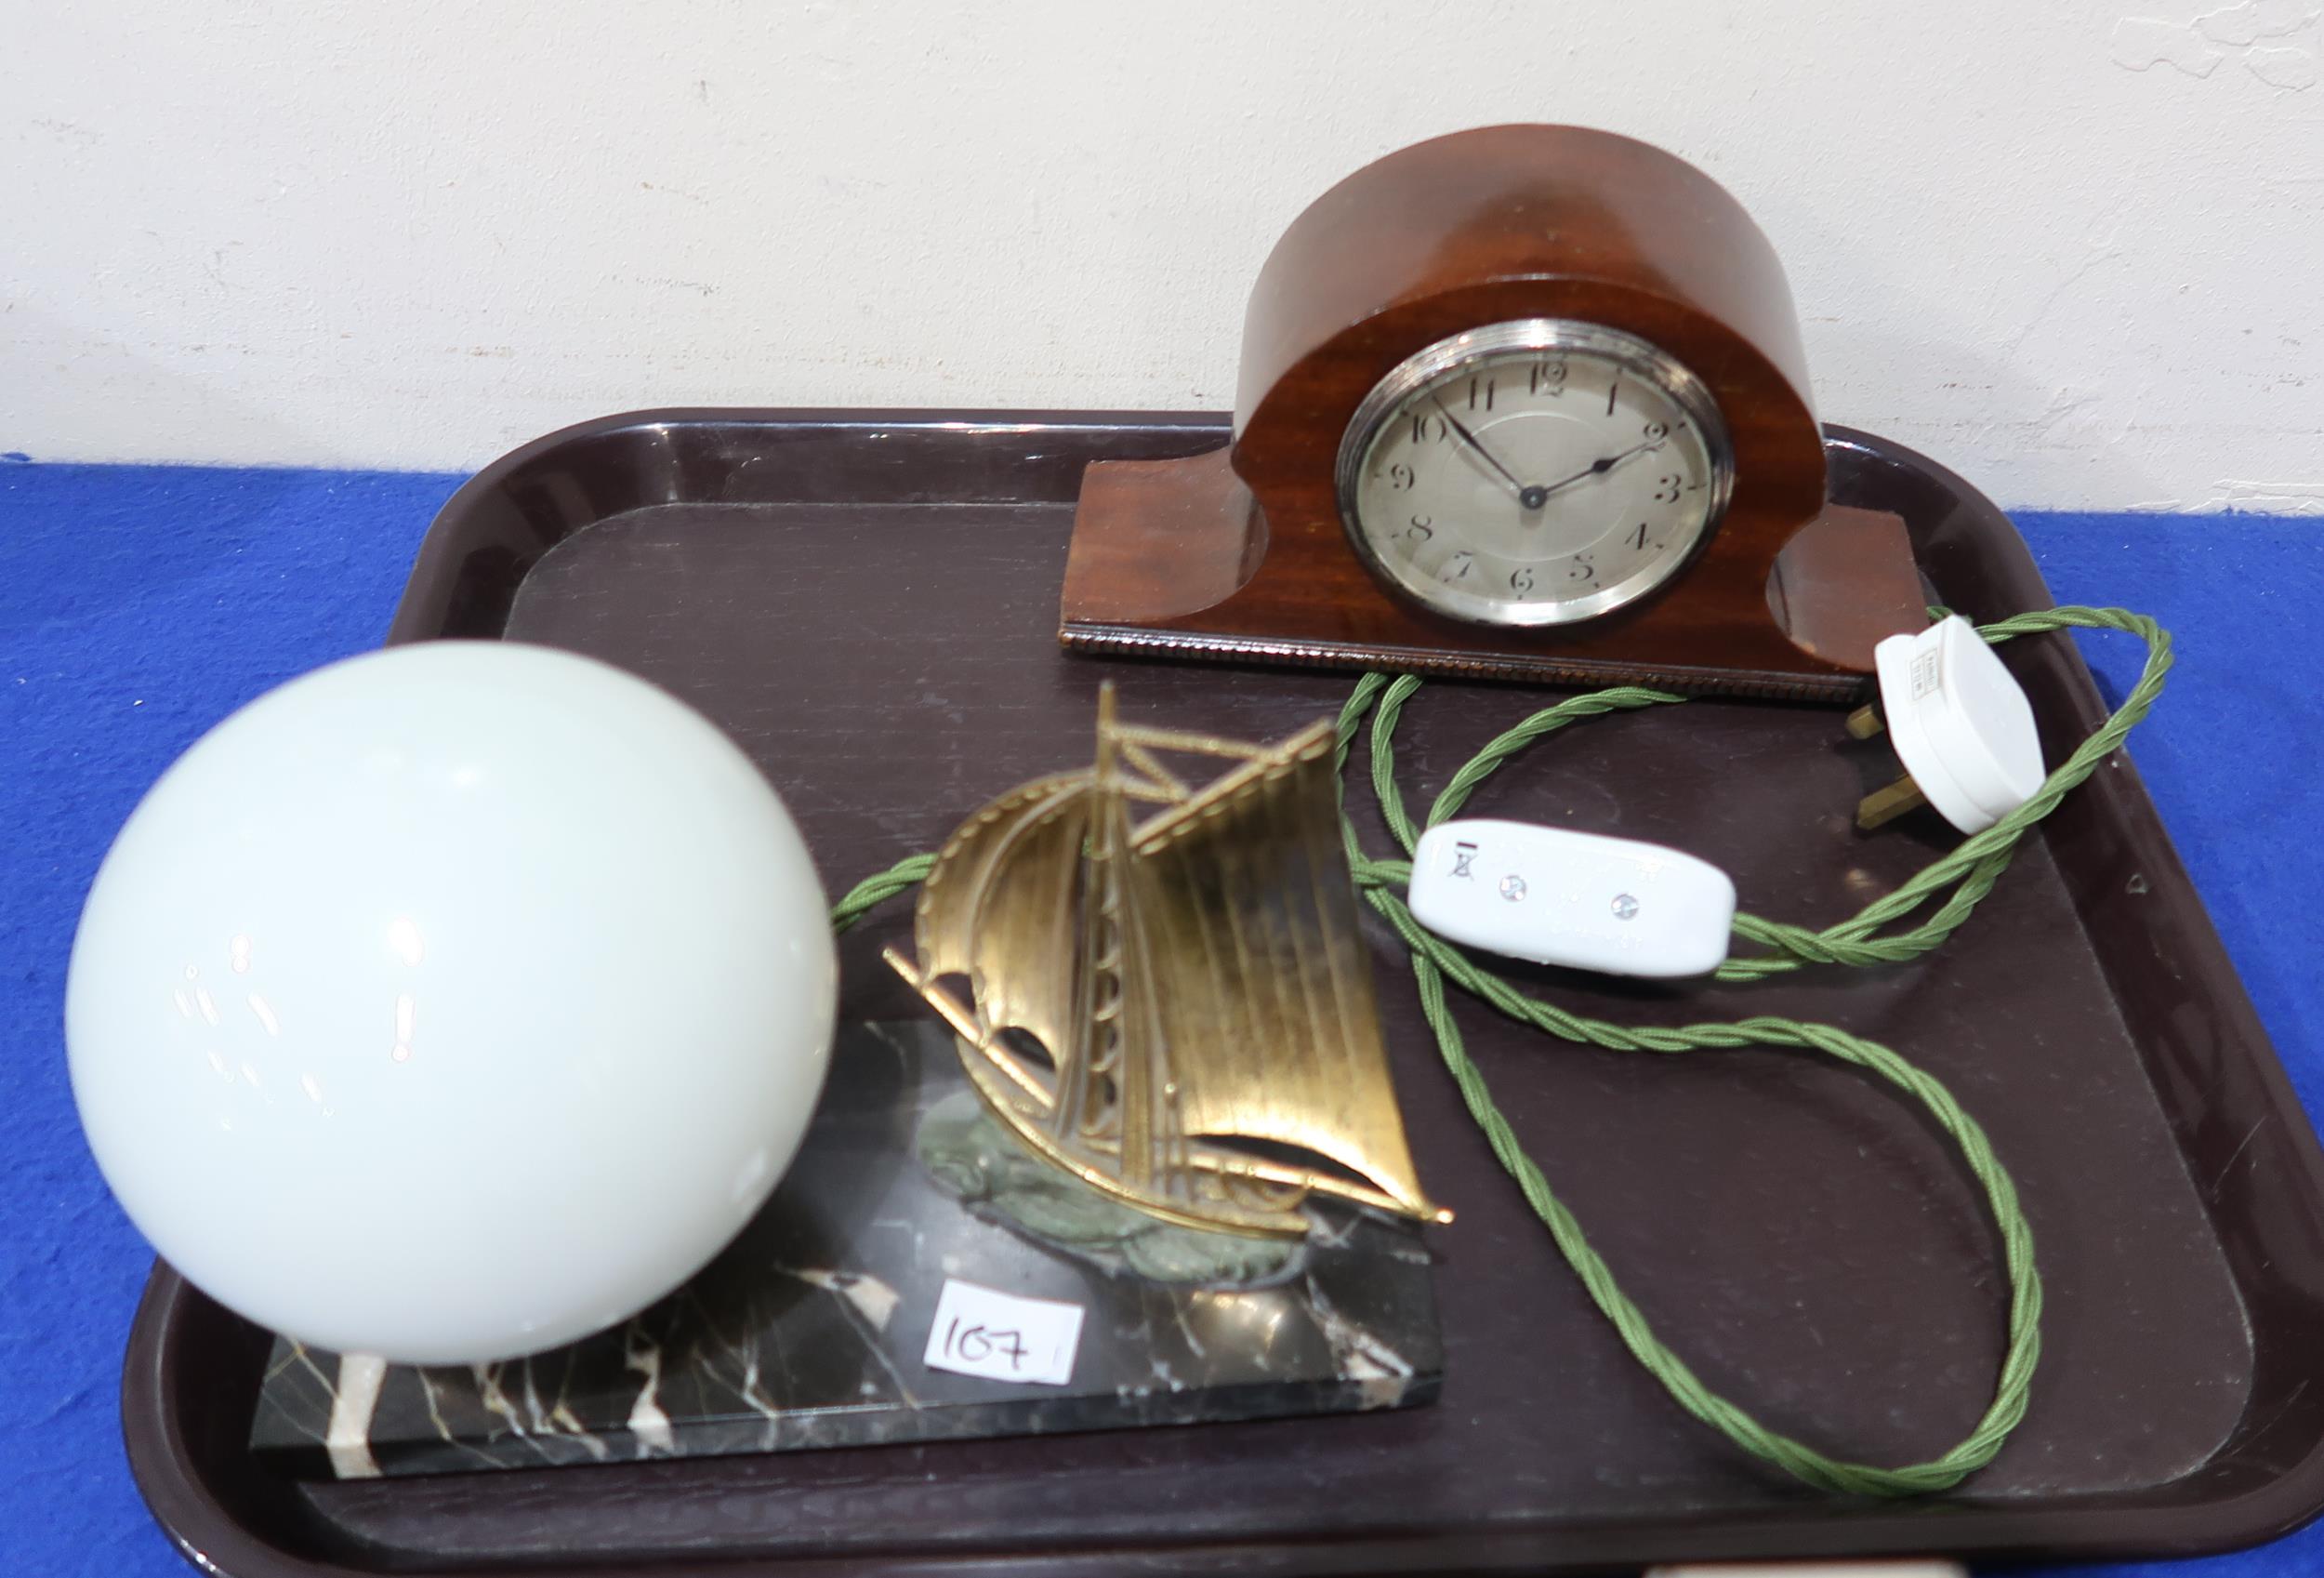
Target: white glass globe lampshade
{"type": "Point", "coordinates": [450, 1003]}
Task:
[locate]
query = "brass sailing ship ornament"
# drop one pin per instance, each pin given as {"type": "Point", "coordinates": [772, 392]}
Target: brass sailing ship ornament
{"type": "Point", "coordinates": [1179, 1012]}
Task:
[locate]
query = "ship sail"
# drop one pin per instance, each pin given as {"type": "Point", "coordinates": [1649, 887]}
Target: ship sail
{"type": "Point", "coordinates": [1268, 1009]}
{"type": "Point", "coordinates": [1003, 891]}
{"type": "Point", "coordinates": [1197, 981]}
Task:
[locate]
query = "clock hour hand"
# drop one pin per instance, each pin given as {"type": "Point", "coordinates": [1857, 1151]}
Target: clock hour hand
{"type": "Point", "coordinates": [1470, 439]}
{"type": "Point", "coordinates": [1597, 468]}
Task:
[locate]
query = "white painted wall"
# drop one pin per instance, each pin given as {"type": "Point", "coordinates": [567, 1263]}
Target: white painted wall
{"type": "Point", "coordinates": [2074, 250]}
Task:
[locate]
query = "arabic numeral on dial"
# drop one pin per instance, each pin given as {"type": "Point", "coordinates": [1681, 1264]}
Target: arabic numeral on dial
{"type": "Point", "coordinates": [1521, 581]}
{"type": "Point", "coordinates": [1546, 377]}
{"type": "Point", "coordinates": [1428, 430]}
{"type": "Point", "coordinates": [1400, 476]}
{"type": "Point", "coordinates": [1486, 385]}
{"type": "Point", "coordinates": [1459, 566]}
{"type": "Point", "coordinates": [1422, 529]}
{"type": "Point", "coordinates": [1668, 488]}
{"type": "Point", "coordinates": [1638, 538]}
{"type": "Point", "coordinates": [1583, 570]}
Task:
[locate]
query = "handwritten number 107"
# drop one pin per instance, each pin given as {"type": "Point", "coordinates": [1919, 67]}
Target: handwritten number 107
{"type": "Point", "coordinates": [979, 1343]}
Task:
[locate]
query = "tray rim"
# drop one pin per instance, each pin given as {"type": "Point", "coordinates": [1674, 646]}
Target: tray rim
{"type": "Point", "coordinates": [2078, 1527]}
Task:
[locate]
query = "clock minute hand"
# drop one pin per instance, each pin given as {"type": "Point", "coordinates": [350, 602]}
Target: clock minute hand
{"type": "Point", "coordinates": [1470, 440]}
{"type": "Point", "coordinates": [1598, 468]}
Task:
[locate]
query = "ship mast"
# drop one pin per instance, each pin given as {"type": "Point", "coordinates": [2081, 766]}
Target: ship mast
{"type": "Point", "coordinates": [1114, 1088]}
{"type": "Point", "coordinates": [1087, 1066]}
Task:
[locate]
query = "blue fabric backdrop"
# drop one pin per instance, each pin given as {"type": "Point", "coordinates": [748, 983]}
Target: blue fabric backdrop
{"type": "Point", "coordinates": [138, 605]}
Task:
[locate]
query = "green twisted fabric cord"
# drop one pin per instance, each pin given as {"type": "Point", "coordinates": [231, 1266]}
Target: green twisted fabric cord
{"type": "Point", "coordinates": [873, 892]}
{"type": "Point", "coordinates": [1964, 877]}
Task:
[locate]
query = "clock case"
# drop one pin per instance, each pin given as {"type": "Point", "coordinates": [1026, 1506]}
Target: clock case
{"type": "Point", "coordinates": [1241, 553]}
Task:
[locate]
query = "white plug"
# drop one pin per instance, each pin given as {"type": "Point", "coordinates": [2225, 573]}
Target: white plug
{"type": "Point", "coordinates": [1960, 724]}
{"type": "Point", "coordinates": [1578, 899]}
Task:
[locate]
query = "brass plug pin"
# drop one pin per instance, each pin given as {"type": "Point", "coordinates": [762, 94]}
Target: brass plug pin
{"type": "Point", "coordinates": [1891, 800]}
{"type": "Point", "coordinates": [1884, 805]}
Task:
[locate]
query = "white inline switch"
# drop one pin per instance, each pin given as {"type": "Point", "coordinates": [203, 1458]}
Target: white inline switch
{"type": "Point", "coordinates": [1578, 899]}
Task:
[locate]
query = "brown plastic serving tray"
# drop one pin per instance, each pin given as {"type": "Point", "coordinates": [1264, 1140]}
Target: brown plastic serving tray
{"type": "Point", "coordinates": [868, 601]}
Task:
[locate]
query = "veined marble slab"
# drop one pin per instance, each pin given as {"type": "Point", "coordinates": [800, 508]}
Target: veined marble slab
{"type": "Point", "coordinates": [809, 1331]}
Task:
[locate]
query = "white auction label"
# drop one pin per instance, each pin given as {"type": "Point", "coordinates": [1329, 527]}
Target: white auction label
{"type": "Point", "coordinates": [984, 1332]}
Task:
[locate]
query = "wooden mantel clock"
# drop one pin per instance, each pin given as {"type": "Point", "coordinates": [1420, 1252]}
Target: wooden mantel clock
{"type": "Point", "coordinates": [1527, 402]}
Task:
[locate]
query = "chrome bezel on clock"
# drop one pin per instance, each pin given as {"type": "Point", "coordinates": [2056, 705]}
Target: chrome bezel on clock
{"type": "Point", "coordinates": [1635, 357]}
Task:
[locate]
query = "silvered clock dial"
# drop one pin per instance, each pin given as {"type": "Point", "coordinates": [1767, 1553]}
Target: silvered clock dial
{"type": "Point", "coordinates": [1536, 472]}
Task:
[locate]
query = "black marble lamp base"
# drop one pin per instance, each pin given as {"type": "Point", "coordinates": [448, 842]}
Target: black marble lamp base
{"type": "Point", "coordinates": [809, 1329]}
